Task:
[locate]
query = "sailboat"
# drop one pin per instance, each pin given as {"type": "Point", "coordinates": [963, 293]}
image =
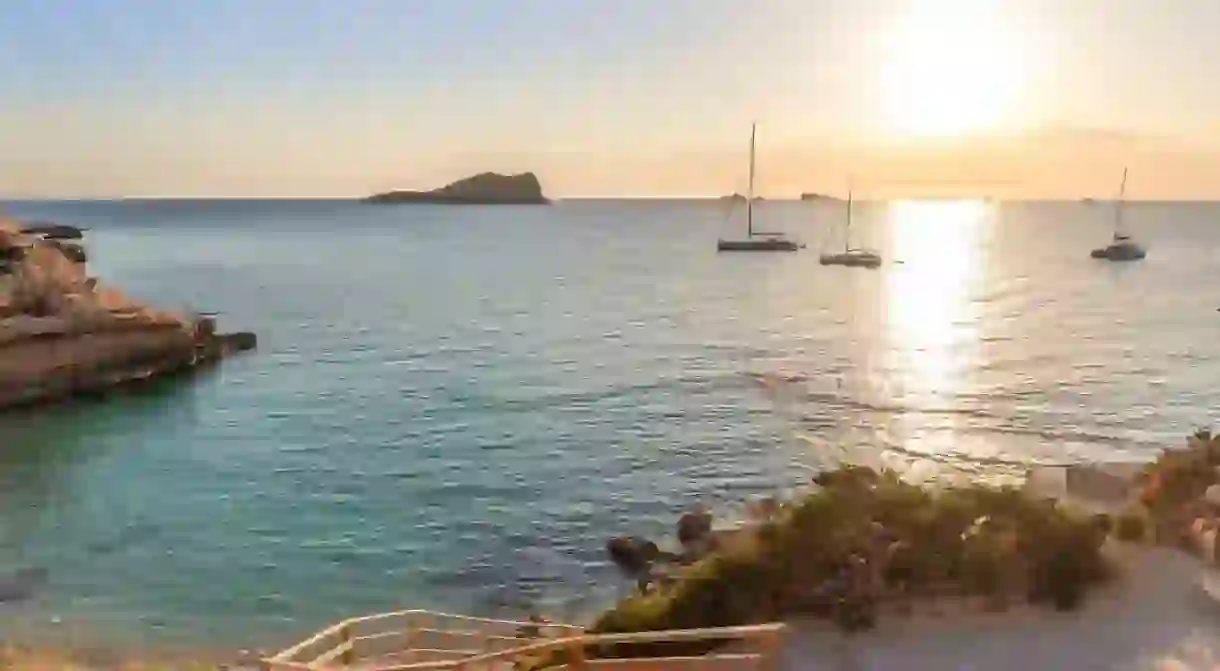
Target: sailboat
{"type": "Point", "coordinates": [1121, 247]}
{"type": "Point", "coordinates": [860, 257]}
{"type": "Point", "coordinates": [756, 242]}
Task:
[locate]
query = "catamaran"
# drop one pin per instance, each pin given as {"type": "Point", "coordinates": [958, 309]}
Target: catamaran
{"type": "Point", "coordinates": [1121, 247]}
{"type": "Point", "coordinates": [756, 241]}
{"type": "Point", "coordinates": [859, 257]}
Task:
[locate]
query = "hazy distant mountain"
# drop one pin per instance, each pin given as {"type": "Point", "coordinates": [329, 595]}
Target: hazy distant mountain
{"type": "Point", "coordinates": [1054, 161]}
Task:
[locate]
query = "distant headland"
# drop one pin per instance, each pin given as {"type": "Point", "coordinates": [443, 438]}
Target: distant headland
{"type": "Point", "coordinates": [809, 195]}
{"type": "Point", "coordinates": [486, 188]}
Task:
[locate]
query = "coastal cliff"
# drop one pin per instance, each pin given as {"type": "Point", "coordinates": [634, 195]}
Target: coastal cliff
{"type": "Point", "coordinates": [487, 188]}
{"type": "Point", "coordinates": [63, 333]}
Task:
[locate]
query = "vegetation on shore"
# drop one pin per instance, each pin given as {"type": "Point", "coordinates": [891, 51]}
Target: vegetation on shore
{"type": "Point", "coordinates": [863, 537]}
{"type": "Point", "coordinates": [1173, 490]}
{"type": "Point", "coordinates": [909, 543]}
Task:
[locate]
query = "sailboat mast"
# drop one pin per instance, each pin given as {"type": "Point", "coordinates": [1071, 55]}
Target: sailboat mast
{"type": "Point", "coordinates": [750, 190]}
{"type": "Point", "coordinates": [847, 229]}
{"type": "Point", "coordinates": [1118, 205]}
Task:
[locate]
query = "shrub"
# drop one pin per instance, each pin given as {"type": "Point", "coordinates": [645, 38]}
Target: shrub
{"type": "Point", "coordinates": [984, 541]}
{"type": "Point", "coordinates": [1104, 523]}
{"type": "Point", "coordinates": [1180, 477]}
{"type": "Point", "coordinates": [1132, 526]}
{"type": "Point", "coordinates": [976, 539]}
{"type": "Point", "coordinates": [1065, 559]}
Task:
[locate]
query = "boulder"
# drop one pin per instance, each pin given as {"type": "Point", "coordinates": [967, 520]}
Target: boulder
{"type": "Point", "coordinates": [50, 230]}
{"type": "Point", "coordinates": [1203, 535]}
{"type": "Point", "coordinates": [848, 476]}
{"type": "Point", "coordinates": [21, 584]}
{"type": "Point", "coordinates": [695, 530]}
{"type": "Point", "coordinates": [1212, 495]}
{"type": "Point", "coordinates": [632, 554]}
{"type": "Point", "coordinates": [74, 252]}
{"type": "Point", "coordinates": [241, 341]}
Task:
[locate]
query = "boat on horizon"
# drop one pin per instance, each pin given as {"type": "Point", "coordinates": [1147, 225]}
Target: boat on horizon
{"type": "Point", "coordinates": [857, 258]}
{"type": "Point", "coordinates": [1122, 247]}
{"type": "Point", "coordinates": [756, 241]}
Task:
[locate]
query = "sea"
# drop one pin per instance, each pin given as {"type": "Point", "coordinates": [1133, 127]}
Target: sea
{"type": "Point", "coordinates": [453, 408]}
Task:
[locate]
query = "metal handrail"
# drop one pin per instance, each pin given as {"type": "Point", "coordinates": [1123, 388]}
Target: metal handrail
{"type": "Point", "coordinates": [344, 651]}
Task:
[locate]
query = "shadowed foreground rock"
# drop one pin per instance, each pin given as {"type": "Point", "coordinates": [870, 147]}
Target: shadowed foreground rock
{"type": "Point", "coordinates": [63, 333]}
{"type": "Point", "coordinates": [50, 230]}
{"type": "Point", "coordinates": [20, 585]}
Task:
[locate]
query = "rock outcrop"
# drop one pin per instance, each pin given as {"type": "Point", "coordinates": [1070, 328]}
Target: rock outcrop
{"type": "Point", "coordinates": [632, 555]}
{"type": "Point", "coordinates": [695, 530]}
{"type": "Point", "coordinates": [50, 230]}
{"type": "Point", "coordinates": [64, 333]}
{"type": "Point", "coordinates": [487, 188]}
{"type": "Point", "coordinates": [21, 585]}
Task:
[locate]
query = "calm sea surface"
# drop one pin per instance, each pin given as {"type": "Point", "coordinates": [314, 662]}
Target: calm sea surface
{"type": "Point", "coordinates": [452, 408]}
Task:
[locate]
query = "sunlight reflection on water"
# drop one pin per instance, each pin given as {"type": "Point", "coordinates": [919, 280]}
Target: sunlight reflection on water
{"type": "Point", "coordinates": [932, 324]}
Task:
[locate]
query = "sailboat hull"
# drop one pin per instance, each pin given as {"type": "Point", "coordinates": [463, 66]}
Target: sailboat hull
{"type": "Point", "coordinates": [1125, 252]}
{"type": "Point", "coordinates": [853, 259]}
{"type": "Point", "coordinates": [1122, 248]}
{"type": "Point", "coordinates": [759, 245]}
{"type": "Point", "coordinates": [766, 242]}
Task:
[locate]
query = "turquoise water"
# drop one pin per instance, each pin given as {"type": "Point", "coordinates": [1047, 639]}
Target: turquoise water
{"type": "Point", "coordinates": [452, 408]}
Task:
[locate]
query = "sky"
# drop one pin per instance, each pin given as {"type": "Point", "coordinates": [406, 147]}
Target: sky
{"type": "Point", "coordinates": [325, 98]}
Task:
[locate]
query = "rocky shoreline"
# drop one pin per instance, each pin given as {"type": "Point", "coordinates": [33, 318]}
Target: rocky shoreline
{"type": "Point", "coordinates": [669, 578]}
{"type": "Point", "coordinates": [65, 334]}
{"type": "Point", "coordinates": [1001, 538]}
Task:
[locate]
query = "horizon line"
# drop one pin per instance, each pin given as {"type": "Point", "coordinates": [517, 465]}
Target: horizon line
{"type": "Point", "coordinates": [679, 197]}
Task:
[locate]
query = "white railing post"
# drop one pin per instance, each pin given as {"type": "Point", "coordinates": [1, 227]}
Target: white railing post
{"type": "Point", "coordinates": [576, 654]}
{"type": "Point", "coordinates": [763, 645]}
{"type": "Point", "coordinates": [408, 629]}
{"type": "Point", "coordinates": [770, 646]}
{"type": "Point", "coordinates": [345, 636]}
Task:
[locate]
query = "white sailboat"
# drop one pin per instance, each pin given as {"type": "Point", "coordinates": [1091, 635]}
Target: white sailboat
{"type": "Point", "coordinates": [756, 242]}
{"type": "Point", "coordinates": [1121, 247]}
{"type": "Point", "coordinates": [859, 257]}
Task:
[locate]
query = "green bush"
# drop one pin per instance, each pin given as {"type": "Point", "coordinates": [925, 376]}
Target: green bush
{"type": "Point", "coordinates": [976, 539]}
{"type": "Point", "coordinates": [1132, 527]}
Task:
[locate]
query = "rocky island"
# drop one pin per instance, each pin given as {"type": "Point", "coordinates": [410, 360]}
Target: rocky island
{"type": "Point", "coordinates": [809, 195]}
{"type": "Point", "coordinates": [63, 333]}
{"type": "Point", "coordinates": [486, 188]}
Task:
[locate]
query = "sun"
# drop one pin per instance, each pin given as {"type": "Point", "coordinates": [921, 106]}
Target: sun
{"type": "Point", "coordinates": [950, 69]}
